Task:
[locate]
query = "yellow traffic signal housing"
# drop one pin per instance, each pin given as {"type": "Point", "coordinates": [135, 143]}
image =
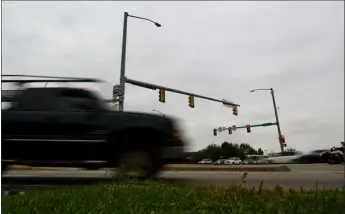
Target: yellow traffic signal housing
{"type": "Point", "coordinates": [162, 95]}
{"type": "Point", "coordinates": [248, 128]}
{"type": "Point", "coordinates": [235, 110]}
{"type": "Point", "coordinates": [230, 130]}
{"type": "Point", "coordinates": [191, 101]}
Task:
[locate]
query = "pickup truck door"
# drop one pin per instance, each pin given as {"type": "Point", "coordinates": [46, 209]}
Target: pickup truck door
{"type": "Point", "coordinates": [58, 127]}
{"type": "Point", "coordinates": [80, 130]}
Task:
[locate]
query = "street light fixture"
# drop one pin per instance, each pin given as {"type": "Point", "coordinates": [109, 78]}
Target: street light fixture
{"type": "Point", "coordinates": [123, 54]}
{"type": "Point", "coordinates": [276, 114]}
{"type": "Point", "coordinates": [138, 17]}
{"type": "Point", "coordinates": [158, 112]}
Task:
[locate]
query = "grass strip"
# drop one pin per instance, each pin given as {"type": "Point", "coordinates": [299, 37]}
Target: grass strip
{"type": "Point", "coordinates": [149, 197]}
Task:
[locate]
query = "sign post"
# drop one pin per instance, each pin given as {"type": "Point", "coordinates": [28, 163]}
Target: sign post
{"type": "Point", "coordinates": [118, 92]}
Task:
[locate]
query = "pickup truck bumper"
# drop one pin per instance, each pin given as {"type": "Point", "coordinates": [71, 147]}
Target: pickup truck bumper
{"type": "Point", "coordinates": [174, 151]}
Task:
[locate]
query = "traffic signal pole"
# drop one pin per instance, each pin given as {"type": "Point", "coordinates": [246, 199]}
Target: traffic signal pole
{"type": "Point", "coordinates": [277, 120]}
{"type": "Point", "coordinates": [123, 56]}
{"type": "Point", "coordinates": [276, 115]}
{"type": "Point", "coordinates": [119, 90]}
{"type": "Point", "coordinates": [155, 87]}
{"type": "Point", "coordinates": [240, 127]}
{"type": "Point", "coordinates": [123, 61]}
{"type": "Point", "coordinates": [248, 127]}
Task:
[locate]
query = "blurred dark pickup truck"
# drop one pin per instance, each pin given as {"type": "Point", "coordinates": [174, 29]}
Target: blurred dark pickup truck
{"type": "Point", "coordinates": [71, 127]}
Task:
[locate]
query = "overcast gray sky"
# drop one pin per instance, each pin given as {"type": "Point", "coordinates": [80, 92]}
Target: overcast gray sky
{"type": "Point", "coordinates": [218, 49]}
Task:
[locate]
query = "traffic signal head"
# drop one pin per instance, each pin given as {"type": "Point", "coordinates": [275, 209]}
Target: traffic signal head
{"type": "Point", "coordinates": [248, 128]}
{"type": "Point", "coordinates": [191, 101]}
{"type": "Point", "coordinates": [215, 132]}
{"type": "Point", "coordinates": [235, 110]}
{"type": "Point", "coordinates": [230, 130]}
{"type": "Point", "coordinates": [282, 139]}
{"type": "Point", "coordinates": [162, 95]}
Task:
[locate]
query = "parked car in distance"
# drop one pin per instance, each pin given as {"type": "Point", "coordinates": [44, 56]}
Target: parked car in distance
{"type": "Point", "coordinates": [233, 161]}
{"type": "Point", "coordinates": [219, 162]}
{"type": "Point", "coordinates": [205, 161]}
{"type": "Point", "coordinates": [249, 161]}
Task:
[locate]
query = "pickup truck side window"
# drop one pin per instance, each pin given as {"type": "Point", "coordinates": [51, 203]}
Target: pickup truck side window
{"type": "Point", "coordinates": [58, 99]}
{"type": "Point", "coordinates": [34, 99]}
{"type": "Point", "coordinates": [76, 100]}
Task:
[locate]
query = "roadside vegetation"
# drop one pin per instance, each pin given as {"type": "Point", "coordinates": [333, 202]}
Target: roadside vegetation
{"type": "Point", "coordinates": [228, 150]}
{"type": "Point", "coordinates": [159, 197]}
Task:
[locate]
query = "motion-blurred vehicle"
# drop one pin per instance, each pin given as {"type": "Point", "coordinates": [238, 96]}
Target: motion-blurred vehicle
{"type": "Point", "coordinates": [73, 127]}
{"type": "Point", "coordinates": [255, 157]}
{"type": "Point", "coordinates": [263, 161]}
{"type": "Point", "coordinates": [249, 161]}
{"type": "Point", "coordinates": [233, 161]}
{"type": "Point", "coordinates": [284, 158]}
{"type": "Point", "coordinates": [311, 157]}
{"type": "Point", "coordinates": [205, 161]}
{"type": "Point", "coordinates": [334, 156]}
{"type": "Point", "coordinates": [219, 162]}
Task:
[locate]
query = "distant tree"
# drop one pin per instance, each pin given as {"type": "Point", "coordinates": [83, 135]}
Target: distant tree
{"type": "Point", "coordinates": [260, 152]}
{"type": "Point", "coordinates": [225, 150]}
{"type": "Point", "coordinates": [248, 149]}
{"type": "Point", "coordinates": [241, 154]}
{"type": "Point", "coordinates": [225, 147]}
{"type": "Point", "coordinates": [271, 153]}
{"type": "Point", "coordinates": [212, 151]}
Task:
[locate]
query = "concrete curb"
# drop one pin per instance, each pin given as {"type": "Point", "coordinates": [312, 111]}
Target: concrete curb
{"type": "Point", "coordinates": [181, 167]}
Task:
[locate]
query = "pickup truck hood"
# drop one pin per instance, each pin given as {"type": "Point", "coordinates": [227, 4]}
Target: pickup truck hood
{"type": "Point", "coordinates": [123, 120]}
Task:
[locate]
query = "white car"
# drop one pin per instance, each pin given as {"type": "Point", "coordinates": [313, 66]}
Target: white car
{"type": "Point", "coordinates": [205, 161]}
{"type": "Point", "coordinates": [233, 161]}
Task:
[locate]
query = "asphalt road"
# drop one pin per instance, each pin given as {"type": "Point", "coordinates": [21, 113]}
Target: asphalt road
{"type": "Point", "coordinates": [323, 175]}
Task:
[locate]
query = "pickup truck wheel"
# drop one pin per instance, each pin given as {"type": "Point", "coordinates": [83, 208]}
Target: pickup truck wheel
{"type": "Point", "coordinates": [138, 164]}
